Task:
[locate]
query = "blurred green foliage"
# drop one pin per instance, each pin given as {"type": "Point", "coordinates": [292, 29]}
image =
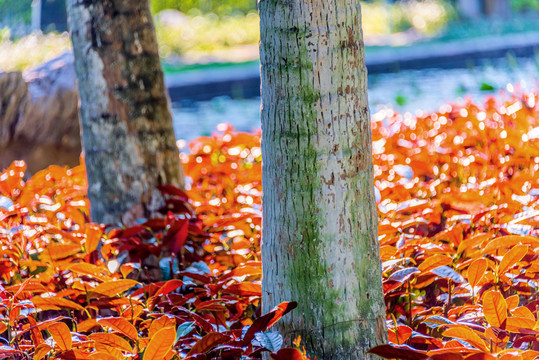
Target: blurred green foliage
{"type": "Point", "coordinates": [525, 5]}
{"type": "Point", "coordinates": [426, 17]}
{"type": "Point", "coordinates": [201, 35]}
{"type": "Point", "coordinates": [195, 7]}
{"type": "Point", "coordinates": [15, 11]}
{"type": "Point", "coordinates": [30, 50]}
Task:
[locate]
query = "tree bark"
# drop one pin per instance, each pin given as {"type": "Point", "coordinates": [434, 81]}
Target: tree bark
{"type": "Point", "coordinates": [320, 244]}
{"type": "Point", "coordinates": [127, 132]}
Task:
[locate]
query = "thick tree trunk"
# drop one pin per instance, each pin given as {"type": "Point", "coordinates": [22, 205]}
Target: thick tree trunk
{"type": "Point", "coordinates": [320, 244]}
{"type": "Point", "coordinates": [127, 133]}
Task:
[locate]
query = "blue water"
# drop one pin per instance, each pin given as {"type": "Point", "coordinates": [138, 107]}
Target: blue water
{"type": "Point", "coordinates": [407, 91]}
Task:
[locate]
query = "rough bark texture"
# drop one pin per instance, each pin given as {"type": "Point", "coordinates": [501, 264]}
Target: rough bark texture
{"type": "Point", "coordinates": [39, 116]}
{"type": "Point", "coordinates": [127, 133]}
{"type": "Point", "coordinates": [320, 244]}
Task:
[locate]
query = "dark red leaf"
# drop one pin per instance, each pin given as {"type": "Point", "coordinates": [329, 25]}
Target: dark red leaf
{"type": "Point", "coordinates": [403, 352]}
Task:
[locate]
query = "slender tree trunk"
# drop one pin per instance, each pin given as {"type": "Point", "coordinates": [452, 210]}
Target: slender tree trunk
{"type": "Point", "coordinates": [469, 9]}
{"type": "Point", "coordinates": [320, 244]}
{"type": "Point", "coordinates": [498, 8]}
{"type": "Point", "coordinates": [127, 133]}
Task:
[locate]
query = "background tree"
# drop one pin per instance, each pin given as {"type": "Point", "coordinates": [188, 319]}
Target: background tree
{"type": "Point", "coordinates": [127, 132]}
{"type": "Point", "coordinates": [320, 244]}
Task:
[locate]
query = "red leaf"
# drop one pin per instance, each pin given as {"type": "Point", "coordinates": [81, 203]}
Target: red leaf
{"type": "Point", "coordinates": [208, 342]}
{"type": "Point", "coordinates": [288, 354]}
{"type": "Point", "coordinates": [179, 231]}
{"type": "Point", "coordinates": [169, 287]}
{"type": "Point", "coordinates": [172, 190]}
{"type": "Point", "coordinates": [266, 321]}
{"type": "Point", "coordinates": [403, 352]}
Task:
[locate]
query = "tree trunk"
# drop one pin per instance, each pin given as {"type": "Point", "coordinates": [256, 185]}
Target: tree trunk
{"type": "Point", "coordinates": [469, 9]}
{"type": "Point", "coordinates": [320, 244]}
{"type": "Point", "coordinates": [497, 8]}
{"type": "Point", "coordinates": [127, 133]}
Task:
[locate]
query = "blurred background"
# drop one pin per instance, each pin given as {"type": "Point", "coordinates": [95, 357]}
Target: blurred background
{"type": "Point", "coordinates": [420, 55]}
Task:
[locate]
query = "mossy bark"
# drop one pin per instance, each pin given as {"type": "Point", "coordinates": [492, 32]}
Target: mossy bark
{"type": "Point", "coordinates": [320, 244]}
{"type": "Point", "coordinates": [127, 134]}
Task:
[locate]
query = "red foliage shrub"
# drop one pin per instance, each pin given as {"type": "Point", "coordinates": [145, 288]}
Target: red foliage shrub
{"type": "Point", "coordinates": [459, 219]}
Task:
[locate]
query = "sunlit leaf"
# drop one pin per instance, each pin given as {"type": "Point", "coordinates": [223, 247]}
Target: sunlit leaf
{"type": "Point", "coordinates": [55, 303]}
{"type": "Point", "coordinates": [160, 344]}
{"type": "Point", "coordinates": [400, 334]}
{"type": "Point", "coordinates": [244, 289]}
{"type": "Point", "coordinates": [466, 334]}
{"type": "Point", "coordinates": [476, 270]}
{"type": "Point", "coordinates": [494, 308]}
{"type": "Point", "coordinates": [515, 324]}
{"type": "Point", "coordinates": [121, 325]}
{"type": "Point", "coordinates": [433, 262]}
{"type": "Point", "coordinates": [114, 287]}
{"type": "Point", "coordinates": [41, 351]}
{"type": "Point", "coordinates": [161, 323]}
{"type": "Point", "coordinates": [111, 340]}
{"type": "Point", "coordinates": [61, 335]}
{"type": "Point", "coordinates": [512, 257]}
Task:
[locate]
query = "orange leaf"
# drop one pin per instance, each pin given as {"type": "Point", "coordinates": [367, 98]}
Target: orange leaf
{"type": "Point", "coordinates": [161, 323]}
{"type": "Point", "coordinates": [511, 258]}
{"type": "Point", "coordinates": [505, 242]}
{"type": "Point", "coordinates": [55, 303]}
{"type": "Point", "coordinates": [530, 355]}
{"type": "Point", "coordinates": [514, 324]}
{"type": "Point", "coordinates": [41, 351]}
{"type": "Point", "coordinates": [512, 302]}
{"type": "Point", "coordinates": [494, 308]}
{"type": "Point", "coordinates": [61, 335]}
{"type": "Point", "coordinates": [111, 340]}
{"type": "Point", "coordinates": [37, 337]}
{"type": "Point", "coordinates": [468, 335]}
{"type": "Point", "coordinates": [433, 262]}
{"type": "Point", "coordinates": [253, 268]}
{"type": "Point", "coordinates": [101, 355]}
{"type": "Point", "coordinates": [481, 356]}
{"type": "Point", "coordinates": [90, 270]}
{"type": "Point", "coordinates": [126, 269]}
{"type": "Point", "coordinates": [87, 325]}
{"type": "Point", "coordinates": [114, 287]}
{"type": "Point", "coordinates": [160, 344]}
{"type": "Point", "coordinates": [523, 312]}
{"type": "Point", "coordinates": [121, 325]}
{"type": "Point", "coordinates": [244, 289]}
{"type": "Point", "coordinates": [508, 355]}
{"type": "Point", "coordinates": [93, 237]}
{"type": "Point", "coordinates": [62, 251]}
{"type": "Point", "coordinates": [400, 334]}
{"type": "Point", "coordinates": [476, 270]}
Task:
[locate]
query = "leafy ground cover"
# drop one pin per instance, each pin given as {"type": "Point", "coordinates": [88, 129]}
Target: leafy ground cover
{"type": "Point", "coordinates": [459, 223]}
